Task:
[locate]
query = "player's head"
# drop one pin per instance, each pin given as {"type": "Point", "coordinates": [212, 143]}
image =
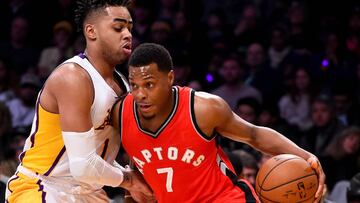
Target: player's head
{"type": "Point", "coordinates": [151, 78]}
{"type": "Point", "coordinates": [107, 26]}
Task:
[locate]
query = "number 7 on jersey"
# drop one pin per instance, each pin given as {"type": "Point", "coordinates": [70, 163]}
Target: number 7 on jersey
{"type": "Point", "coordinates": [169, 177]}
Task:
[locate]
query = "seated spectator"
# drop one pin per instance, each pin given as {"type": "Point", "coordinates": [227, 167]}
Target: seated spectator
{"type": "Point", "coordinates": [5, 122]}
{"type": "Point", "coordinates": [340, 158]}
{"type": "Point", "coordinates": [326, 125]}
{"type": "Point", "coordinates": [6, 93]}
{"type": "Point", "coordinates": [60, 51]}
{"type": "Point", "coordinates": [269, 117]}
{"type": "Point", "coordinates": [18, 51]}
{"type": "Point", "coordinates": [353, 194]}
{"type": "Point", "coordinates": [295, 105]}
{"type": "Point", "coordinates": [250, 166]}
{"type": "Point", "coordinates": [22, 108]}
{"type": "Point", "coordinates": [248, 108]}
{"type": "Point", "coordinates": [234, 88]}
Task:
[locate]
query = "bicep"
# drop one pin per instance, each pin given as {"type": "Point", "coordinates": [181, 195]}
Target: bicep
{"type": "Point", "coordinates": [236, 128]}
{"type": "Point", "coordinates": [74, 95]}
{"type": "Point", "coordinates": [230, 125]}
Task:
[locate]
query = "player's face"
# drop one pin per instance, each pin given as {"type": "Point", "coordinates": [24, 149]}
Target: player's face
{"type": "Point", "coordinates": [114, 34]}
{"type": "Point", "coordinates": [151, 88]}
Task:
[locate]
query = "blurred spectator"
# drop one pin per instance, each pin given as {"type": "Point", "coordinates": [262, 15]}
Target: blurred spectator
{"type": "Point", "coordinates": [354, 20]}
{"type": "Point", "coordinates": [5, 123]}
{"type": "Point", "coordinates": [338, 193]}
{"type": "Point", "coordinates": [250, 167]}
{"type": "Point", "coordinates": [143, 17]}
{"type": "Point", "coordinates": [248, 108]}
{"type": "Point", "coordinates": [196, 85]}
{"type": "Point", "coordinates": [340, 160]}
{"type": "Point", "coordinates": [298, 30]}
{"type": "Point", "coordinates": [79, 44]}
{"type": "Point", "coordinates": [326, 125]}
{"type": "Point", "coordinates": [295, 105]}
{"type": "Point", "coordinates": [182, 70]}
{"type": "Point", "coordinates": [216, 25]}
{"type": "Point", "coordinates": [162, 33]}
{"type": "Point", "coordinates": [269, 117]}
{"type": "Point", "coordinates": [167, 9]}
{"type": "Point", "coordinates": [64, 10]}
{"type": "Point", "coordinates": [52, 56]}
{"type": "Point", "coordinates": [260, 76]}
{"type": "Point", "coordinates": [346, 109]}
{"type": "Point", "coordinates": [22, 107]}
{"type": "Point", "coordinates": [353, 194]}
{"type": "Point", "coordinates": [236, 163]}
{"type": "Point", "coordinates": [279, 49]}
{"type": "Point", "coordinates": [6, 93]}
{"type": "Point", "coordinates": [248, 29]}
{"type": "Point", "coordinates": [234, 88]}
{"type": "Point", "coordinates": [328, 64]}
{"type": "Point", "coordinates": [8, 10]}
{"type": "Point", "coordinates": [17, 51]}
{"type": "Point", "coordinates": [10, 162]}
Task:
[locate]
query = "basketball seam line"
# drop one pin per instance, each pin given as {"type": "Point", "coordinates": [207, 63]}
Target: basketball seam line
{"type": "Point", "coordinates": [290, 182]}
{"type": "Point", "coordinates": [271, 171]}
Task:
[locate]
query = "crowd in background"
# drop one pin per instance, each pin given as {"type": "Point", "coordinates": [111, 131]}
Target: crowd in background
{"type": "Point", "coordinates": [293, 66]}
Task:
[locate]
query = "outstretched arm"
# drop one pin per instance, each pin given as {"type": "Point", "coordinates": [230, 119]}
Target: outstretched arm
{"type": "Point", "coordinates": [213, 114]}
{"type": "Point", "coordinates": [69, 92]}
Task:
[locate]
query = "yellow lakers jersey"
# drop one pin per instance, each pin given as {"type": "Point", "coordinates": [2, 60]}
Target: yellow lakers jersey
{"type": "Point", "coordinates": [45, 153]}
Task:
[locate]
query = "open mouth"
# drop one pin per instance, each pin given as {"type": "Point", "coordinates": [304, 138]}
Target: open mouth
{"type": "Point", "coordinates": [127, 49]}
{"type": "Point", "coordinates": [144, 107]}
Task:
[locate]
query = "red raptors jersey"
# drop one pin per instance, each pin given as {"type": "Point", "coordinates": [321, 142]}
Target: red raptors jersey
{"type": "Point", "coordinates": [178, 161]}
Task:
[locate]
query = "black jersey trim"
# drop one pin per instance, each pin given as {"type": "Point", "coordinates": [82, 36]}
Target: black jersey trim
{"type": "Point", "coordinates": [193, 119]}
{"type": "Point", "coordinates": [249, 196]}
{"type": "Point", "coordinates": [167, 120]}
{"type": "Point", "coordinates": [121, 100]}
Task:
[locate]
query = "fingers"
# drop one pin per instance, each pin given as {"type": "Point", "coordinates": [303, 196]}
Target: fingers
{"type": "Point", "coordinates": [315, 164]}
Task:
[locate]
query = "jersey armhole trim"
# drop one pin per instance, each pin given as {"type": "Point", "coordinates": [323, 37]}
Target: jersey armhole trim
{"type": "Point", "coordinates": [193, 119]}
{"type": "Point", "coordinates": [121, 100]}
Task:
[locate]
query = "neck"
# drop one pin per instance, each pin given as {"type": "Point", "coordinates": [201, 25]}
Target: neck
{"type": "Point", "coordinates": [154, 123]}
{"type": "Point", "coordinates": [99, 62]}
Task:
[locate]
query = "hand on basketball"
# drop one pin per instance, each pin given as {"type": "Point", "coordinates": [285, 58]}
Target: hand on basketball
{"type": "Point", "coordinates": [315, 164]}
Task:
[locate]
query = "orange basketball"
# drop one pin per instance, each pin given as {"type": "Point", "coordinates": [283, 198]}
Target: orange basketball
{"type": "Point", "coordinates": [286, 178]}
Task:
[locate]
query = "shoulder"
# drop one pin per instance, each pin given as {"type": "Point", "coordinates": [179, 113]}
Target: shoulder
{"type": "Point", "coordinates": [210, 111]}
{"type": "Point", "coordinates": [67, 78]}
{"type": "Point", "coordinates": [70, 74]}
{"type": "Point", "coordinates": [209, 103]}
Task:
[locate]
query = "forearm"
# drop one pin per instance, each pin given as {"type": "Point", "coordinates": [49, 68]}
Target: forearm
{"type": "Point", "coordinates": [85, 164]}
{"type": "Point", "coordinates": [271, 142]}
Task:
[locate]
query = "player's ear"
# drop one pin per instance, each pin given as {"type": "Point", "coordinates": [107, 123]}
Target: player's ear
{"type": "Point", "coordinates": [171, 77]}
{"type": "Point", "coordinates": [89, 31]}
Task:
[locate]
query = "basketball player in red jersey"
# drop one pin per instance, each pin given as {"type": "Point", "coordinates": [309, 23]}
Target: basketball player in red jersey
{"type": "Point", "coordinates": [169, 132]}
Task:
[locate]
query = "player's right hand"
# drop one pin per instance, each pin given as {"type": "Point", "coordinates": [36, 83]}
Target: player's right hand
{"type": "Point", "coordinates": [137, 186]}
{"type": "Point", "coordinates": [315, 164]}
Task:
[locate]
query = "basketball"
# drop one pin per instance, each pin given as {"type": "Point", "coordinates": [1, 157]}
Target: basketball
{"type": "Point", "coordinates": [286, 178]}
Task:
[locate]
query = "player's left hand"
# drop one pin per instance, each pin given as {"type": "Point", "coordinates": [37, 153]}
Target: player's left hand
{"type": "Point", "coordinates": [315, 164]}
{"type": "Point", "coordinates": [142, 198]}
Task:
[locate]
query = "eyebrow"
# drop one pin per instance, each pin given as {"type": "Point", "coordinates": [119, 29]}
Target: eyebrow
{"type": "Point", "coordinates": [123, 20]}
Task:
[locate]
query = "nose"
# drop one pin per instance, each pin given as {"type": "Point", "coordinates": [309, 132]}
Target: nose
{"type": "Point", "coordinates": [140, 94]}
{"type": "Point", "coordinates": [127, 34]}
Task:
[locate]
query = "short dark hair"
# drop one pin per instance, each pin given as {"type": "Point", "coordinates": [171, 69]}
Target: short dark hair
{"type": "Point", "coordinates": [148, 53]}
{"type": "Point", "coordinates": [86, 7]}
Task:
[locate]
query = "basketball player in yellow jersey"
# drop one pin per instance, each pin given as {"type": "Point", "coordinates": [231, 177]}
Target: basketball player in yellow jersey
{"type": "Point", "coordinates": [69, 155]}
